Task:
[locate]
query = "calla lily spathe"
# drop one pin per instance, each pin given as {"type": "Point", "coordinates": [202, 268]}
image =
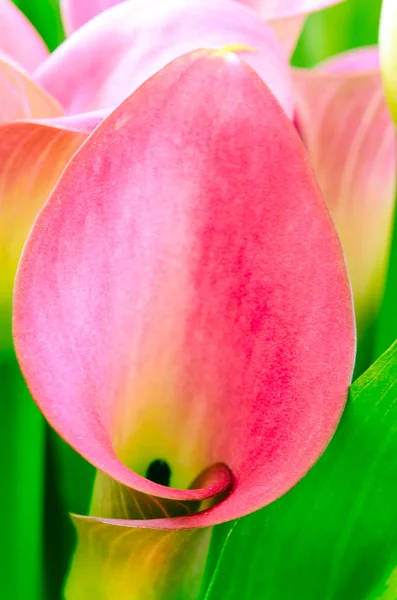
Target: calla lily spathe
{"type": "Point", "coordinates": [343, 119]}
{"type": "Point", "coordinates": [152, 38]}
{"type": "Point", "coordinates": [183, 296]}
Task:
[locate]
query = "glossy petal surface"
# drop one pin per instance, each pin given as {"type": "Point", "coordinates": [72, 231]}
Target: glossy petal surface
{"type": "Point", "coordinates": [18, 38]}
{"type": "Point", "coordinates": [21, 97]}
{"type": "Point", "coordinates": [181, 325]}
{"type": "Point", "coordinates": [111, 56]}
{"type": "Point", "coordinates": [344, 122]}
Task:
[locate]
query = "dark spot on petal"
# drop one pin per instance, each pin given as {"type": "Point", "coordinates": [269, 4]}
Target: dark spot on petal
{"type": "Point", "coordinates": [159, 472]}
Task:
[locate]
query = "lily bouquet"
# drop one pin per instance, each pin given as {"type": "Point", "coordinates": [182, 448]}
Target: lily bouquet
{"type": "Point", "coordinates": [194, 236]}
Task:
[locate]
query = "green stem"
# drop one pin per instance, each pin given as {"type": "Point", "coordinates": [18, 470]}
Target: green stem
{"type": "Point", "coordinates": [69, 481]}
{"type": "Point", "coordinates": [21, 498]}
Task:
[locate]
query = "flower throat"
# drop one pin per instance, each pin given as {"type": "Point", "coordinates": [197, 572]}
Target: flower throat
{"type": "Point", "coordinates": [159, 472]}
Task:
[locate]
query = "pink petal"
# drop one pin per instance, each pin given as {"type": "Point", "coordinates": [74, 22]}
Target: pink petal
{"type": "Point", "coordinates": [82, 123]}
{"type": "Point", "coordinates": [18, 38]}
{"type": "Point", "coordinates": [183, 294]}
{"type": "Point", "coordinates": [344, 122]}
{"type": "Point", "coordinates": [288, 31]}
{"type": "Point", "coordinates": [279, 9]}
{"type": "Point", "coordinates": [111, 56]}
{"type": "Point", "coordinates": [22, 98]}
{"type": "Point", "coordinates": [76, 13]}
{"type": "Point", "coordinates": [359, 60]}
{"type": "Point", "coordinates": [33, 154]}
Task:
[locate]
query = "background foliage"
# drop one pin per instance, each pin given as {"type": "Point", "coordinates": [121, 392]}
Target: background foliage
{"type": "Point", "coordinates": [347, 25]}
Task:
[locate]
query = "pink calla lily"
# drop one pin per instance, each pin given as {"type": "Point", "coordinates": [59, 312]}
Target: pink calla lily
{"type": "Point", "coordinates": [18, 38]}
{"type": "Point", "coordinates": [344, 121]}
{"type": "Point", "coordinates": [159, 313]}
{"type": "Point", "coordinates": [108, 58]}
{"type": "Point", "coordinates": [36, 142]}
{"type": "Point", "coordinates": [285, 16]}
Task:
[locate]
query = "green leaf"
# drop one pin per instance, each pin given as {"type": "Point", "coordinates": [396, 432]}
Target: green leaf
{"type": "Point", "coordinates": [22, 482]}
{"type": "Point", "coordinates": [334, 535]}
{"type": "Point", "coordinates": [341, 27]}
{"type": "Point", "coordinates": [45, 16]}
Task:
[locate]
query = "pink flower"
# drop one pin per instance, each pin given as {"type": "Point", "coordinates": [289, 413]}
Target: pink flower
{"type": "Point", "coordinates": [344, 122]}
{"type": "Point", "coordinates": [182, 311]}
{"type": "Point", "coordinates": [182, 315]}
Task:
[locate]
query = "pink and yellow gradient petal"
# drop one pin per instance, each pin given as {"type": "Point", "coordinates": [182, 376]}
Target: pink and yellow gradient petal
{"type": "Point", "coordinates": [21, 97]}
{"type": "Point", "coordinates": [32, 156]}
{"type": "Point", "coordinates": [343, 119]}
{"type": "Point", "coordinates": [132, 564]}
